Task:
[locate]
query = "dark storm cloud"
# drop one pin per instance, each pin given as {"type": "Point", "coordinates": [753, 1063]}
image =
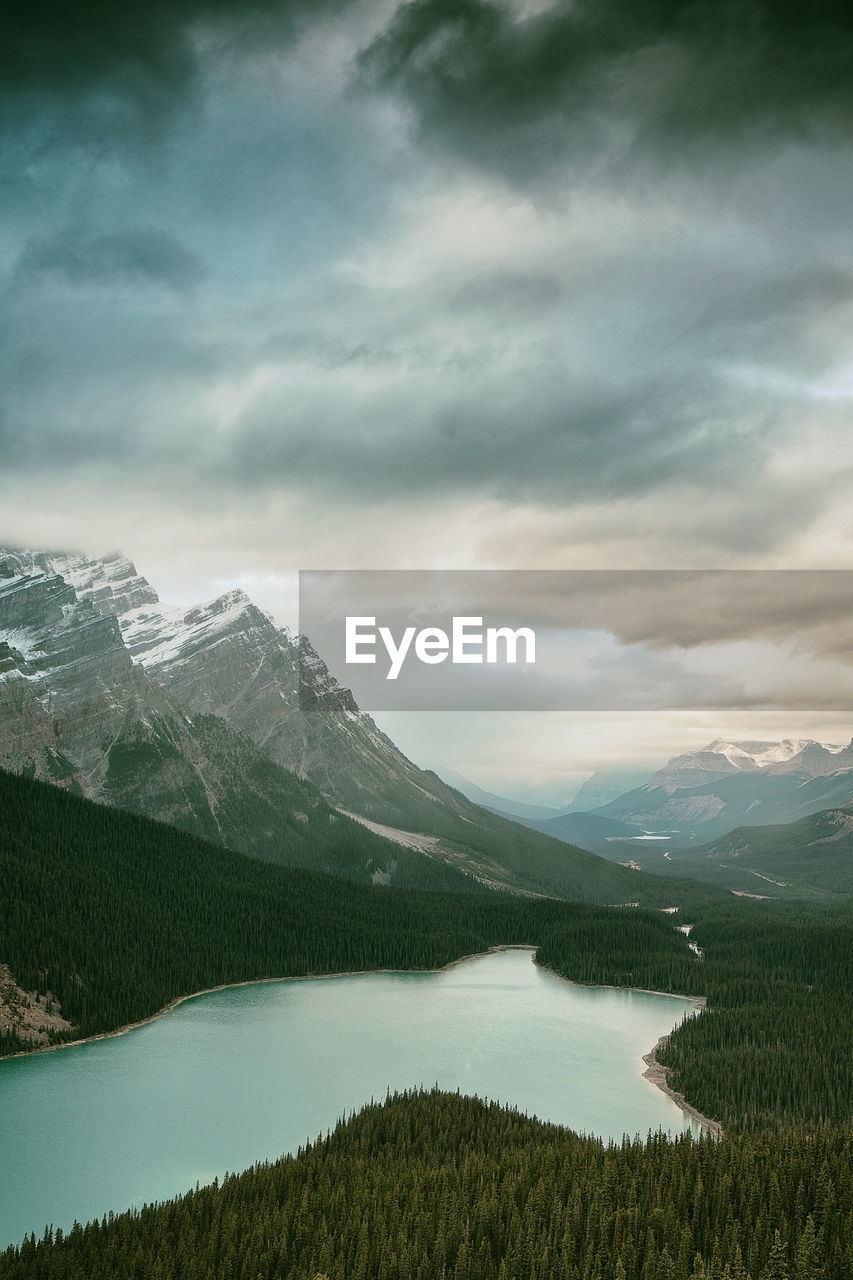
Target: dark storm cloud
{"type": "Point", "coordinates": [116, 76]}
{"type": "Point", "coordinates": [68, 48]}
{"type": "Point", "coordinates": [789, 321]}
{"type": "Point", "coordinates": [360, 401]}
{"type": "Point", "coordinates": [141, 255]}
{"type": "Point", "coordinates": [103, 377]}
{"type": "Point", "coordinates": [384, 323]}
{"type": "Point", "coordinates": [503, 88]}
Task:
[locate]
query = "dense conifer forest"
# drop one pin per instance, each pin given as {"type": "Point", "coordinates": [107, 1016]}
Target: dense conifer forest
{"type": "Point", "coordinates": [116, 916]}
{"type": "Point", "coordinates": [775, 1046]}
{"type": "Point", "coordinates": [431, 1185]}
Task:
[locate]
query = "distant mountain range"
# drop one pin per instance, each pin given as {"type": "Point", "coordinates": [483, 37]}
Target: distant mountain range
{"type": "Point", "coordinates": [600, 788]}
{"type": "Point", "coordinates": [605, 785]}
{"type": "Point", "coordinates": [222, 723]}
{"type": "Point", "coordinates": [765, 819]}
{"type": "Point", "coordinates": [498, 804]}
{"type": "Point", "coordinates": [704, 794]}
{"type": "Point", "coordinates": [590, 830]}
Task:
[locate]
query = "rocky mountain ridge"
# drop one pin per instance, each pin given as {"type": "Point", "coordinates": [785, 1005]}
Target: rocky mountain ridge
{"type": "Point", "coordinates": [229, 658]}
{"type": "Point", "coordinates": [78, 710]}
{"type": "Point", "coordinates": [704, 794]}
{"type": "Point", "coordinates": [218, 721]}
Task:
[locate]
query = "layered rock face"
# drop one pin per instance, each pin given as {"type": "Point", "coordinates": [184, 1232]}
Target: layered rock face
{"type": "Point", "coordinates": [229, 659]}
{"type": "Point", "coordinates": [194, 717]}
{"type": "Point", "coordinates": [76, 709]}
{"type": "Point", "coordinates": [67, 683]}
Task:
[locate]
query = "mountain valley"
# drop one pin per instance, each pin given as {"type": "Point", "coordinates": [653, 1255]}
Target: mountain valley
{"type": "Point", "coordinates": [220, 722]}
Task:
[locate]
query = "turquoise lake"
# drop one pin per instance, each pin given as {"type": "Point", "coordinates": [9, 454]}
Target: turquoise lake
{"type": "Point", "coordinates": [245, 1074]}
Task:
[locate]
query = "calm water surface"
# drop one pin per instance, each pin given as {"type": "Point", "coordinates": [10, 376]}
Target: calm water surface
{"type": "Point", "coordinates": [243, 1075]}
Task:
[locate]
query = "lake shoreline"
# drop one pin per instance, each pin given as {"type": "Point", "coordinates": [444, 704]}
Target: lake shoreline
{"type": "Point", "coordinates": [655, 1072]}
{"type": "Point", "coordinates": [251, 982]}
{"type": "Point", "coordinates": [658, 1075]}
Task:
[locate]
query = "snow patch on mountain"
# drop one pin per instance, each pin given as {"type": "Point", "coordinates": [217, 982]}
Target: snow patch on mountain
{"type": "Point", "coordinates": [762, 754]}
{"type": "Point", "coordinates": [111, 583]}
{"type": "Point", "coordinates": [723, 758]}
{"type": "Point", "coordinates": [157, 635]}
{"type": "Point", "coordinates": [24, 640]}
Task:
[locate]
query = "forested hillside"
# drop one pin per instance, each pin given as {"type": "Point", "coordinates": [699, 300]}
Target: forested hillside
{"type": "Point", "coordinates": [116, 916]}
{"type": "Point", "coordinates": [775, 1046]}
{"type": "Point", "coordinates": [811, 858]}
{"type": "Point", "coordinates": [434, 1185]}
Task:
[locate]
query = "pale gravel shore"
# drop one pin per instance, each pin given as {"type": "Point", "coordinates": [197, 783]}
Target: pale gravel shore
{"type": "Point", "coordinates": [657, 1073]}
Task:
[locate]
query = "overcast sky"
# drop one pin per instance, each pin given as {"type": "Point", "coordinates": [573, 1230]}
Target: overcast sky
{"type": "Point", "coordinates": [450, 283]}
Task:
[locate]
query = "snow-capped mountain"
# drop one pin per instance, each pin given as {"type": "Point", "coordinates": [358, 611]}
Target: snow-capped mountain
{"type": "Point", "coordinates": [229, 658]}
{"type": "Point", "coordinates": [721, 759]}
{"type": "Point", "coordinates": [76, 710]}
{"type": "Point", "coordinates": [111, 584]}
{"type": "Point", "coordinates": [59, 657]}
{"type": "Point", "coordinates": [705, 793]}
{"type": "Point", "coordinates": [88, 650]}
{"type": "Point", "coordinates": [217, 720]}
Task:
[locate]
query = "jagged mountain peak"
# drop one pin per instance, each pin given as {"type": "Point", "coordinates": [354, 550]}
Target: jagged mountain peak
{"type": "Point", "coordinates": [724, 757]}
{"type": "Point", "coordinates": [761, 755]}
{"type": "Point", "coordinates": [229, 606]}
{"type": "Point", "coordinates": [45, 623]}
{"type": "Point", "coordinates": [216, 720]}
{"type": "Point", "coordinates": [162, 637]}
{"type": "Point", "coordinates": [153, 632]}
{"type": "Point", "coordinates": [111, 583]}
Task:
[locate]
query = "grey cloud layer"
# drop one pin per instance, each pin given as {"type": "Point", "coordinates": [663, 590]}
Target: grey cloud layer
{"type": "Point", "coordinates": [505, 87]}
{"type": "Point", "coordinates": [812, 610]}
{"type": "Point", "coordinates": [293, 290]}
